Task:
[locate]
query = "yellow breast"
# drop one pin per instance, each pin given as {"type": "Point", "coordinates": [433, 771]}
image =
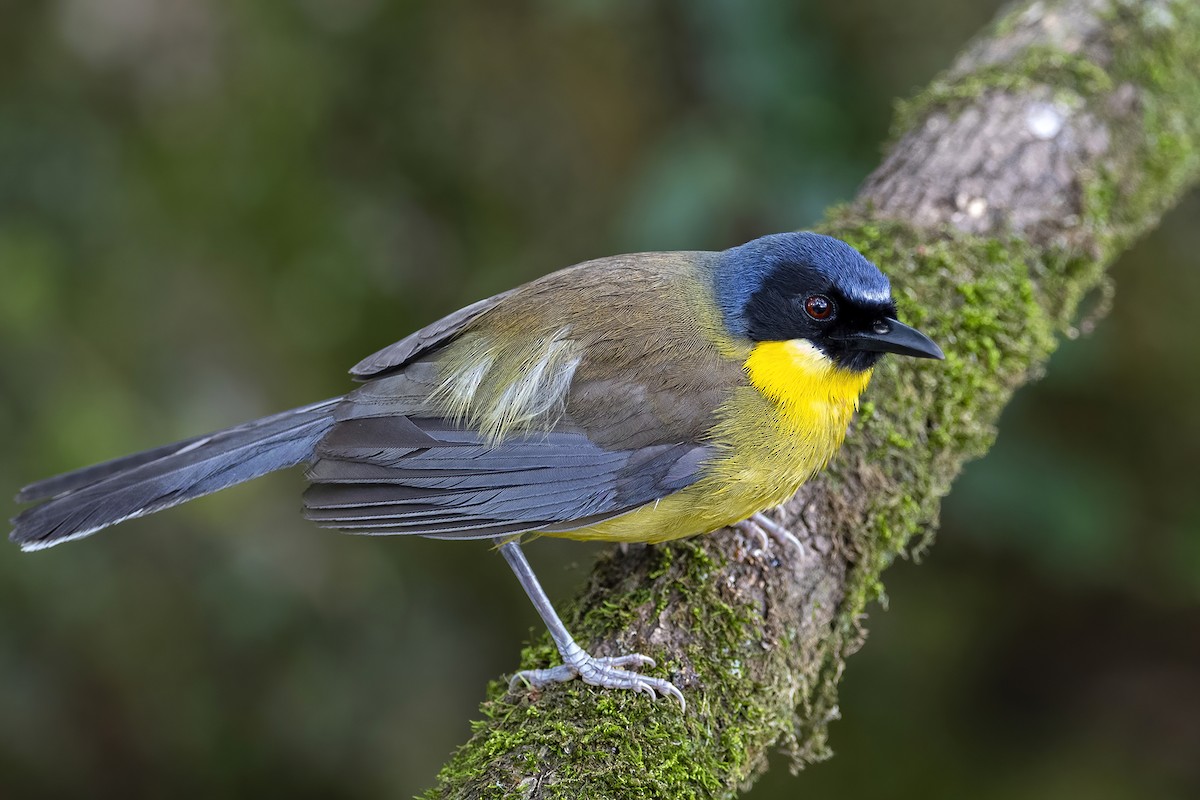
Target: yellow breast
{"type": "Point", "coordinates": [772, 436]}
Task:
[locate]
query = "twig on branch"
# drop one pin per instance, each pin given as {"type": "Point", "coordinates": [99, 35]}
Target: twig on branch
{"type": "Point", "coordinates": [1015, 179]}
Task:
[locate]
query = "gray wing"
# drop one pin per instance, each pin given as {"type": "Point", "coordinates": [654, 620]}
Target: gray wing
{"type": "Point", "coordinates": [418, 344]}
{"type": "Point", "coordinates": [398, 475]}
{"type": "Point", "coordinates": [383, 470]}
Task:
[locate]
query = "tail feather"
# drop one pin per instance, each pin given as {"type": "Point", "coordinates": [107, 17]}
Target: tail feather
{"type": "Point", "coordinates": [82, 502]}
{"type": "Point", "coordinates": [78, 479]}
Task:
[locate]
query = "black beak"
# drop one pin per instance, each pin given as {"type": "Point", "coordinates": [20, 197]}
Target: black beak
{"type": "Point", "coordinates": [893, 336]}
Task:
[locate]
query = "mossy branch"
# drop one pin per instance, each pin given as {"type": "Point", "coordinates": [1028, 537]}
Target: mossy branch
{"type": "Point", "coordinates": [1056, 138]}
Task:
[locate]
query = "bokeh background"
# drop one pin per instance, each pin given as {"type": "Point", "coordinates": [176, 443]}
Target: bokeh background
{"type": "Point", "coordinates": [209, 209]}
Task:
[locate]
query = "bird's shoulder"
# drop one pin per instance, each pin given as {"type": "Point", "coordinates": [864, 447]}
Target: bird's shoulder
{"type": "Point", "coordinates": [628, 349]}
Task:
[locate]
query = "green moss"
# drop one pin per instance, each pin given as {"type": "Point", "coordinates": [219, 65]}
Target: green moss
{"type": "Point", "coordinates": [1073, 77]}
{"type": "Point", "coordinates": [1157, 48]}
{"type": "Point", "coordinates": [1148, 94]}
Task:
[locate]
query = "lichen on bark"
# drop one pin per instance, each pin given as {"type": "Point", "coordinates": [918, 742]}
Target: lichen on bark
{"type": "Point", "coordinates": [1058, 136]}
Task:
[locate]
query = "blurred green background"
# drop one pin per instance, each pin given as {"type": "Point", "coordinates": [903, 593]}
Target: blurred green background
{"type": "Point", "coordinates": [210, 209]}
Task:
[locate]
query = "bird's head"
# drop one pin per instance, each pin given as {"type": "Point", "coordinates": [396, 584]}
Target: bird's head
{"type": "Point", "coordinates": [819, 289]}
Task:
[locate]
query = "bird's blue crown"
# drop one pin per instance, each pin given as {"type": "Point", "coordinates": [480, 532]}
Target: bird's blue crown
{"type": "Point", "coordinates": [741, 271]}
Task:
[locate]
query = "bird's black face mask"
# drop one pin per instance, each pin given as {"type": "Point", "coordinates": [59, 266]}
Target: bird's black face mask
{"type": "Point", "coordinates": [799, 302]}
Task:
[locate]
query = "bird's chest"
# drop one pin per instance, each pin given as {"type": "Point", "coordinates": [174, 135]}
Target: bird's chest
{"type": "Point", "coordinates": [787, 424]}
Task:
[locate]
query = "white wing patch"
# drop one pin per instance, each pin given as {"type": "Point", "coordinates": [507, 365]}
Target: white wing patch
{"type": "Point", "coordinates": [456, 392]}
{"type": "Point", "coordinates": [499, 390]}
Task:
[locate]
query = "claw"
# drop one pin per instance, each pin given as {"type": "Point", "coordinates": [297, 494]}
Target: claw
{"type": "Point", "coordinates": [762, 528]}
{"type": "Point", "coordinates": [751, 531]}
{"type": "Point", "coordinates": [607, 672]}
{"type": "Point", "coordinates": [631, 660]}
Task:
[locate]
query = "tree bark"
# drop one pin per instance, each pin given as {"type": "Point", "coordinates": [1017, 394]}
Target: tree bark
{"type": "Point", "coordinates": [1057, 136]}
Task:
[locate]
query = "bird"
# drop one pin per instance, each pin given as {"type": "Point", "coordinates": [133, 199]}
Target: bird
{"type": "Point", "coordinates": [633, 398]}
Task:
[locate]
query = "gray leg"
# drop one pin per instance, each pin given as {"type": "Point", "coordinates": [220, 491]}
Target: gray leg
{"type": "Point", "coordinates": [762, 528]}
{"type": "Point", "coordinates": [577, 663]}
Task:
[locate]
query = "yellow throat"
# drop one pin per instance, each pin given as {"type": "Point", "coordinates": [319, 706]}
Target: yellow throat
{"type": "Point", "coordinates": [812, 393]}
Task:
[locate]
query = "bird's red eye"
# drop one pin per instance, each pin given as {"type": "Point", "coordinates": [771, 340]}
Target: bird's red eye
{"type": "Point", "coordinates": [818, 306]}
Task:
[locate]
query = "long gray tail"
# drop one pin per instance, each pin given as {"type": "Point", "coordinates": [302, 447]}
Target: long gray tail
{"type": "Point", "coordinates": [82, 502]}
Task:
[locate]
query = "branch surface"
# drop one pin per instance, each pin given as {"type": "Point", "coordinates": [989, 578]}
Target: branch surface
{"type": "Point", "coordinates": [1056, 138]}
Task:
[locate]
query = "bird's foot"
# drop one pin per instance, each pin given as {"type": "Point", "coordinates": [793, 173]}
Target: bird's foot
{"type": "Point", "coordinates": [762, 529]}
{"type": "Point", "coordinates": [607, 672]}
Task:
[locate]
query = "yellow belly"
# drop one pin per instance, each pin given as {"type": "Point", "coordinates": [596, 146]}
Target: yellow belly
{"type": "Point", "coordinates": [771, 437]}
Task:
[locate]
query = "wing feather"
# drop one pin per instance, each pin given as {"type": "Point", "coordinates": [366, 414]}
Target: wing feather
{"type": "Point", "coordinates": [466, 488]}
{"type": "Point", "coordinates": [418, 344]}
